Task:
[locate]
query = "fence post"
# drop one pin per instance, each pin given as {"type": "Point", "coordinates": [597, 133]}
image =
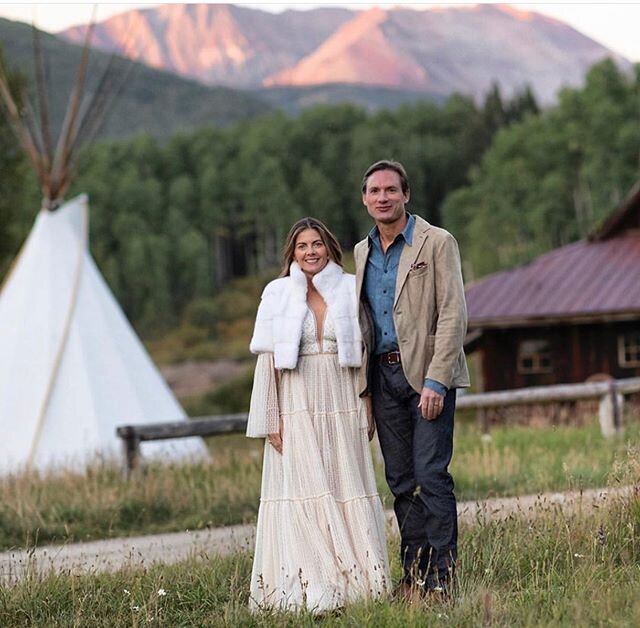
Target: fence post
{"type": "Point", "coordinates": [617, 401]}
{"type": "Point", "coordinates": [131, 444]}
{"type": "Point", "coordinates": [610, 411]}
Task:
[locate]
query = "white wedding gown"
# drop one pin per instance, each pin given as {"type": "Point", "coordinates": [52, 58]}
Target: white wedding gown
{"type": "Point", "coordinates": [320, 538]}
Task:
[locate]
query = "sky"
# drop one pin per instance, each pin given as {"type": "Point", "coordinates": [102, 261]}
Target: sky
{"type": "Point", "coordinates": [613, 24]}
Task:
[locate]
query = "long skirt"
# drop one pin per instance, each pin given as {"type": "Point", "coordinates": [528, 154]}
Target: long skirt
{"type": "Point", "coordinates": [321, 530]}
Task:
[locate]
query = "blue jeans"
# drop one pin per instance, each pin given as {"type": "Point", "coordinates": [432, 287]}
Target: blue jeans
{"type": "Point", "coordinates": [416, 454]}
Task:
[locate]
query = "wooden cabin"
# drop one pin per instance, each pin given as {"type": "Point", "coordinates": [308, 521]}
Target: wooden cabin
{"type": "Point", "coordinates": [569, 315]}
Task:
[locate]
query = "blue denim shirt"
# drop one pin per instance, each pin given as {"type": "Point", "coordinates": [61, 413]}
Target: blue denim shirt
{"type": "Point", "coordinates": [380, 289]}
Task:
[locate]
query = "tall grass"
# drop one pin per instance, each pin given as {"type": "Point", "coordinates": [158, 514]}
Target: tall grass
{"type": "Point", "coordinates": [521, 459]}
{"type": "Point", "coordinates": [552, 570]}
{"type": "Point", "coordinates": [102, 503]}
{"type": "Point", "coordinates": [71, 506]}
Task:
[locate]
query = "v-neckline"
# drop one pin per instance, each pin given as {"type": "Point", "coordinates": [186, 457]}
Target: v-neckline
{"type": "Point", "coordinates": [319, 328]}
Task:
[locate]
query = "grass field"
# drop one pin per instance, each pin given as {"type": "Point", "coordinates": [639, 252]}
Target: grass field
{"type": "Point", "coordinates": [555, 570]}
{"type": "Point", "coordinates": [101, 503]}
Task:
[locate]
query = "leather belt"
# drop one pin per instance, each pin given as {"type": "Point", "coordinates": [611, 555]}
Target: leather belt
{"type": "Point", "coordinates": [391, 358]}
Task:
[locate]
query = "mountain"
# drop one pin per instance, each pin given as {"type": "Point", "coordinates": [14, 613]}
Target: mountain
{"type": "Point", "coordinates": [439, 51]}
{"type": "Point", "coordinates": [358, 52]}
{"type": "Point", "coordinates": [161, 103]}
{"type": "Point", "coordinates": [215, 43]}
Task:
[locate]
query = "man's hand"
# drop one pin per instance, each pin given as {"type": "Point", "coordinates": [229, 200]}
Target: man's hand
{"type": "Point", "coordinates": [430, 404]}
{"type": "Point", "coordinates": [371, 424]}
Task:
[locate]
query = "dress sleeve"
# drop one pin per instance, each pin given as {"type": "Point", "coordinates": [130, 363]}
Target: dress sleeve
{"type": "Point", "coordinates": [264, 412]}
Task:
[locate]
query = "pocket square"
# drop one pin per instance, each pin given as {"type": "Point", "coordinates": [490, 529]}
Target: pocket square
{"type": "Point", "coordinates": [418, 265]}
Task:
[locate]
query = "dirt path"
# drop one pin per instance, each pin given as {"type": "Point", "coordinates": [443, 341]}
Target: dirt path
{"type": "Point", "coordinates": [114, 554]}
{"type": "Point", "coordinates": [197, 377]}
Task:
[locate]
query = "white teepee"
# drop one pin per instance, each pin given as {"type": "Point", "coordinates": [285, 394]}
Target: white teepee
{"type": "Point", "coordinates": [71, 366]}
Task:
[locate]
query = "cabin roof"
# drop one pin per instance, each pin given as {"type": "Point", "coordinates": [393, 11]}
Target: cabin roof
{"type": "Point", "coordinates": [626, 216]}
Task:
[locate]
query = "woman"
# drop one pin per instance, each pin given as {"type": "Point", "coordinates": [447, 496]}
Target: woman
{"type": "Point", "coordinates": [320, 537]}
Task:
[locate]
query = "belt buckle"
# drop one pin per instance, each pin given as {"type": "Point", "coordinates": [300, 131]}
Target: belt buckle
{"type": "Point", "coordinates": [393, 358]}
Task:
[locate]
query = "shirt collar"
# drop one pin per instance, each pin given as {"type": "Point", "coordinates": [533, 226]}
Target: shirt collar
{"type": "Point", "coordinates": [406, 233]}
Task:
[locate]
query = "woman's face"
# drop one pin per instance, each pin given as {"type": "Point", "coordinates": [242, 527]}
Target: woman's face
{"type": "Point", "coordinates": [310, 252]}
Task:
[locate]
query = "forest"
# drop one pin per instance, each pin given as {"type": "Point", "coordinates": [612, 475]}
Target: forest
{"type": "Point", "coordinates": [174, 221]}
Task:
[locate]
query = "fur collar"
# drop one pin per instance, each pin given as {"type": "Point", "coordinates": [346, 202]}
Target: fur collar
{"type": "Point", "coordinates": [283, 307]}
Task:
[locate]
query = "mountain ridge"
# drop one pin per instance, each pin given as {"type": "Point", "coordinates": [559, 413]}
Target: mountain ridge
{"type": "Point", "coordinates": [250, 43]}
{"type": "Point", "coordinates": [151, 100]}
{"type": "Point", "coordinates": [442, 50]}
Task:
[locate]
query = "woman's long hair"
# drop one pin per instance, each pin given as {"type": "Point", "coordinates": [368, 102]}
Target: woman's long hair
{"type": "Point", "coordinates": [329, 240]}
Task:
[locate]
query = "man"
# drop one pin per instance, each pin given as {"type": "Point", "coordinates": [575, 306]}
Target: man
{"type": "Point", "coordinates": [414, 320]}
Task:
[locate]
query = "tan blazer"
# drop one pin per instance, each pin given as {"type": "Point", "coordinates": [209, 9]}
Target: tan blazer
{"type": "Point", "coordinates": [429, 311]}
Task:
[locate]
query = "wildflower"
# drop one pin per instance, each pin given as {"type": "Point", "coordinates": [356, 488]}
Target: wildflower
{"type": "Point", "coordinates": [126, 591]}
{"type": "Point", "coordinates": [135, 608]}
{"type": "Point", "coordinates": [161, 592]}
{"type": "Point", "coordinates": [579, 555]}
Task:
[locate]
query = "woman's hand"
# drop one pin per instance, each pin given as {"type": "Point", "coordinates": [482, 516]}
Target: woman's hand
{"type": "Point", "coordinates": [276, 438]}
{"type": "Point", "coordinates": [371, 423]}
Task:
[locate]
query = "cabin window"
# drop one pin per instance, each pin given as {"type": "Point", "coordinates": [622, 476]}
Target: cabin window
{"type": "Point", "coordinates": [534, 356]}
{"type": "Point", "coordinates": [629, 348]}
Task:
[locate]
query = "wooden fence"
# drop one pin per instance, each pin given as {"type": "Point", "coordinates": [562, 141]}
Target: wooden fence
{"type": "Point", "coordinates": [133, 435]}
{"type": "Point", "coordinates": [610, 394]}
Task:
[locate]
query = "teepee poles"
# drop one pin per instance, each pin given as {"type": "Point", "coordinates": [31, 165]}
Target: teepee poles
{"type": "Point", "coordinates": [59, 176]}
{"type": "Point", "coordinates": [52, 160]}
{"type": "Point", "coordinates": [19, 125]}
{"type": "Point", "coordinates": [43, 99]}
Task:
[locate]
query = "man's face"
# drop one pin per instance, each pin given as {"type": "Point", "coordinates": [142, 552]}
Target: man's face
{"type": "Point", "coordinates": [383, 197]}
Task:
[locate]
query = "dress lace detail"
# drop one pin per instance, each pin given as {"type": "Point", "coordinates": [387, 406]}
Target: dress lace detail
{"type": "Point", "coordinates": [309, 340]}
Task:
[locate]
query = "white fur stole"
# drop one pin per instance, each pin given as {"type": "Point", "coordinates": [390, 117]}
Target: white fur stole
{"type": "Point", "coordinates": [283, 307]}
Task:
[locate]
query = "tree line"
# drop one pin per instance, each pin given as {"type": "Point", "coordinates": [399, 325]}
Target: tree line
{"type": "Point", "coordinates": [172, 222]}
{"type": "Point", "coordinates": [551, 179]}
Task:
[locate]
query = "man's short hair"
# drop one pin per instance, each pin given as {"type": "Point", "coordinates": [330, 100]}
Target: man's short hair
{"type": "Point", "coordinates": [387, 164]}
